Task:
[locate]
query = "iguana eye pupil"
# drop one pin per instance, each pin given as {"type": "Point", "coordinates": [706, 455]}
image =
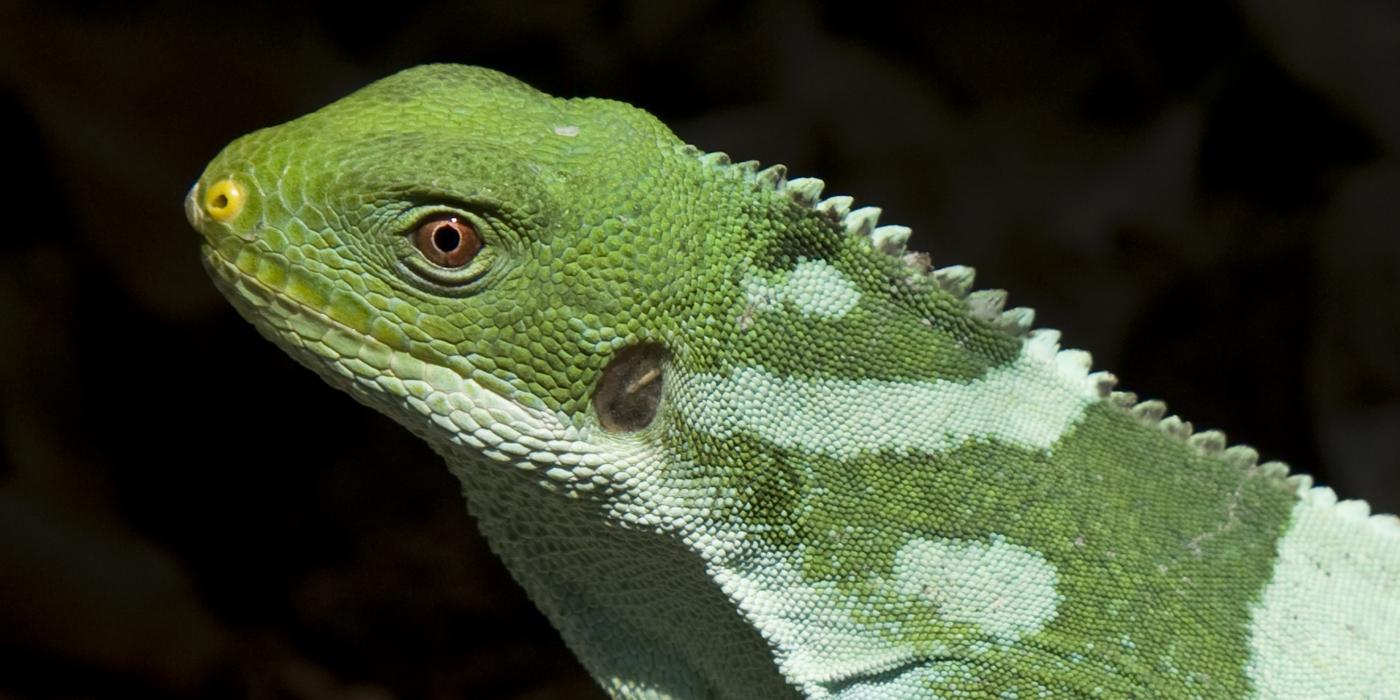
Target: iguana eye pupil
{"type": "Point", "coordinates": [447, 242]}
{"type": "Point", "coordinates": [446, 238]}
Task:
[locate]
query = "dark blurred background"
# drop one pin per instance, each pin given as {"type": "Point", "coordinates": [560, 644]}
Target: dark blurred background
{"type": "Point", "coordinates": [1204, 194]}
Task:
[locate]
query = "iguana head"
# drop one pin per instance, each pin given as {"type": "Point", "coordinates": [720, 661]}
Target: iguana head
{"type": "Point", "coordinates": [483, 261]}
{"type": "Point", "coordinates": [449, 244]}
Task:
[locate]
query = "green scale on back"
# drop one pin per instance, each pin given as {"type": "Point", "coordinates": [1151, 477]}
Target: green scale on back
{"type": "Point", "coordinates": [737, 443]}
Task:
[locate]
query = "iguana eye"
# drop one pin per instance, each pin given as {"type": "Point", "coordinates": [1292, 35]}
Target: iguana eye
{"type": "Point", "coordinates": [447, 241]}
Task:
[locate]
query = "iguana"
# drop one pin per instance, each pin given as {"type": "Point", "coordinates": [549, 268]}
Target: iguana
{"type": "Point", "coordinates": [736, 442]}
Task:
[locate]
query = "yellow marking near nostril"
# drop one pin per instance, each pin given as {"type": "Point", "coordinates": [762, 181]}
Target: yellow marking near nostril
{"type": "Point", "coordinates": [224, 200]}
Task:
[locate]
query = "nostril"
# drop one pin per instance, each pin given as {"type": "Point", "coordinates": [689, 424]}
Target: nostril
{"type": "Point", "coordinates": [224, 200]}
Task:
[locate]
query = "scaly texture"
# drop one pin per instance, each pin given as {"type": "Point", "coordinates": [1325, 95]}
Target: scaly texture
{"type": "Point", "coordinates": [737, 443]}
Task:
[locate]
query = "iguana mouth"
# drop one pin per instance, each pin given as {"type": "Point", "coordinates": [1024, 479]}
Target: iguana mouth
{"type": "Point", "coordinates": [247, 288]}
{"type": "Point", "coordinates": [433, 394]}
{"type": "Point", "coordinates": [300, 327]}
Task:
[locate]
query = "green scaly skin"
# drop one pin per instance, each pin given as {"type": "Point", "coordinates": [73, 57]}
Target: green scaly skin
{"type": "Point", "coordinates": [860, 480]}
